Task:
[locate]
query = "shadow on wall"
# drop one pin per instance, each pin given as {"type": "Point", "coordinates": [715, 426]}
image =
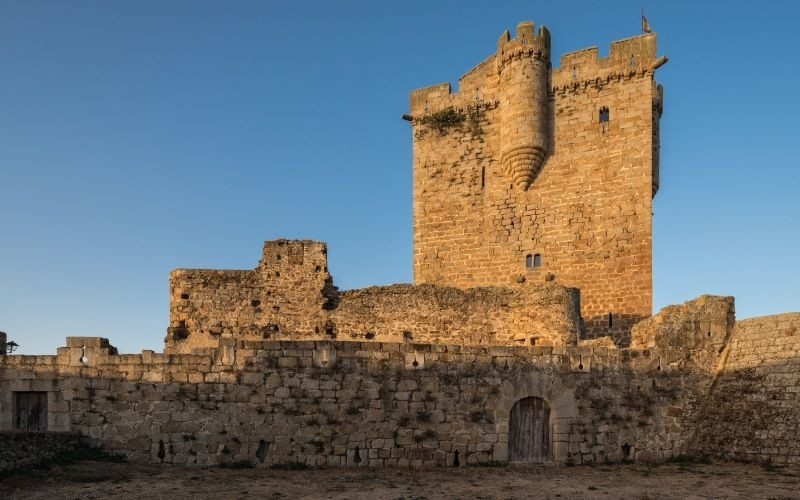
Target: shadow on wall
{"type": "Point", "coordinates": [614, 325]}
{"type": "Point", "coordinates": [421, 405]}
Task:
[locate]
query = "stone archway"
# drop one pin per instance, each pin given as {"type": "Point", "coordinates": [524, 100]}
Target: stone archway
{"type": "Point", "coordinates": [529, 432]}
{"type": "Point", "coordinates": [560, 400]}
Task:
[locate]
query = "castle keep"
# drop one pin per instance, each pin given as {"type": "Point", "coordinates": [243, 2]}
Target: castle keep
{"type": "Point", "coordinates": [527, 335]}
{"type": "Point", "coordinates": [549, 175]}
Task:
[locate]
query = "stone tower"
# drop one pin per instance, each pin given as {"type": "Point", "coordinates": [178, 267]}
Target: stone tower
{"type": "Point", "coordinates": [529, 173]}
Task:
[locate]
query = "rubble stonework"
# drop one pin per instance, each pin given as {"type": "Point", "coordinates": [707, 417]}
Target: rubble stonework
{"type": "Point", "coordinates": [531, 224]}
{"type": "Point", "coordinates": [344, 403]}
{"type": "Point", "coordinates": [290, 296]}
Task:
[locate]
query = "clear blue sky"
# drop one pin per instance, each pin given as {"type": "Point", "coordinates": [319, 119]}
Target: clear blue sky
{"type": "Point", "coordinates": [141, 136]}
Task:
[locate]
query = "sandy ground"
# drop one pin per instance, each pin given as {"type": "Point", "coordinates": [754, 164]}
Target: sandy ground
{"type": "Point", "coordinates": [686, 481]}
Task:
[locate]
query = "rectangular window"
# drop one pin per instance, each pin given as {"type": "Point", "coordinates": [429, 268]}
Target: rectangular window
{"type": "Point", "coordinates": [30, 411]}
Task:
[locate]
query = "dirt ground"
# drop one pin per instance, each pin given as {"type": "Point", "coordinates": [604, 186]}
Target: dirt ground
{"type": "Point", "coordinates": [678, 481]}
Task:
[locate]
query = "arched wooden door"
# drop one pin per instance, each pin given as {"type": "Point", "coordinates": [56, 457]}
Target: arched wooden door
{"type": "Point", "coordinates": [529, 431]}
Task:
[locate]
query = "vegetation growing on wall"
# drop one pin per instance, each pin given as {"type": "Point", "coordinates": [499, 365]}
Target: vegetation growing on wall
{"type": "Point", "coordinates": [451, 118]}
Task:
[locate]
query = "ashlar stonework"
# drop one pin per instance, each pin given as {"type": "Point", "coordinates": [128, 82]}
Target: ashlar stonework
{"type": "Point", "coordinates": [549, 174]}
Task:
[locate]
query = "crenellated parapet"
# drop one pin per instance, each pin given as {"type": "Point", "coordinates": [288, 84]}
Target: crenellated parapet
{"type": "Point", "coordinates": [526, 44]}
{"type": "Point", "coordinates": [632, 57]}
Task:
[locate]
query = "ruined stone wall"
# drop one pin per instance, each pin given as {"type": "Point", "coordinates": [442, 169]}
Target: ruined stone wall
{"type": "Point", "coordinates": [753, 410]}
{"type": "Point", "coordinates": [358, 403]}
{"type": "Point", "coordinates": [290, 296]}
{"type": "Point", "coordinates": [288, 292]}
{"type": "Point", "coordinates": [543, 314]}
{"type": "Point", "coordinates": [587, 209]}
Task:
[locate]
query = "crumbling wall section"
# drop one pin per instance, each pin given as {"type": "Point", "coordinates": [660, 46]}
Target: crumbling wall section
{"type": "Point", "coordinates": [544, 314]}
{"type": "Point", "coordinates": [288, 293]}
{"type": "Point", "coordinates": [753, 410]}
{"type": "Point", "coordinates": [290, 296]}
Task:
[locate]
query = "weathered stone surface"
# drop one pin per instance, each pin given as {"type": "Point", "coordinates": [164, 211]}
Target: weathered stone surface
{"type": "Point", "coordinates": [521, 193]}
{"type": "Point", "coordinates": [533, 186]}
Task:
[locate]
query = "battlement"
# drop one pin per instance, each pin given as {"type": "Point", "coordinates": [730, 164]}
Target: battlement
{"type": "Point", "coordinates": [629, 57]}
{"type": "Point", "coordinates": [633, 56]}
{"type": "Point", "coordinates": [525, 43]}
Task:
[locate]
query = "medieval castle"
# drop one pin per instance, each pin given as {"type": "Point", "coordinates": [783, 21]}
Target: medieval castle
{"type": "Point", "coordinates": [527, 335]}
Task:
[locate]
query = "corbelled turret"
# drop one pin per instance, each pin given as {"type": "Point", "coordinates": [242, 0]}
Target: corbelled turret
{"type": "Point", "coordinates": [523, 64]}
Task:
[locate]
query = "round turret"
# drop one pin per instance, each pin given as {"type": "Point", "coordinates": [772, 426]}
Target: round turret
{"type": "Point", "coordinates": [523, 64]}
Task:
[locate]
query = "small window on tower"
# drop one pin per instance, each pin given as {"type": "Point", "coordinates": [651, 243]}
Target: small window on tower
{"type": "Point", "coordinates": [537, 260]}
{"type": "Point", "coordinates": [604, 115]}
{"type": "Point", "coordinates": [533, 261]}
{"type": "Point", "coordinates": [529, 261]}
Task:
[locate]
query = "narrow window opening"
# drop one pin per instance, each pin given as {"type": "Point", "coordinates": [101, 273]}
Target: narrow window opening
{"type": "Point", "coordinates": [604, 115]}
{"type": "Point", "coordinates": [610, 320]}
{"type": "Point", "coordinates": [633, 61]}
{"type": "Point", "coordinates": [483, 177]}
{"type": "Point", "coordinates": [537, 260]}
{"type": "Point", "coordinates": [574, 73]}
{"type": "Point", "coordinates": [529, 261]}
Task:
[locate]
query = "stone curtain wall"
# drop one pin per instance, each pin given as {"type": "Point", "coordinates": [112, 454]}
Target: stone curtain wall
{"type": "Point", "coordinates": [290, 296]}
{"type": "Point", "coordinates": [360, 404]}
{"type": "Point", "coordinates": [587, 211]}
{"type": "Point", "coordinates": [24, 449]}
{"type": "Point", "coordinates": [753, 411]}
